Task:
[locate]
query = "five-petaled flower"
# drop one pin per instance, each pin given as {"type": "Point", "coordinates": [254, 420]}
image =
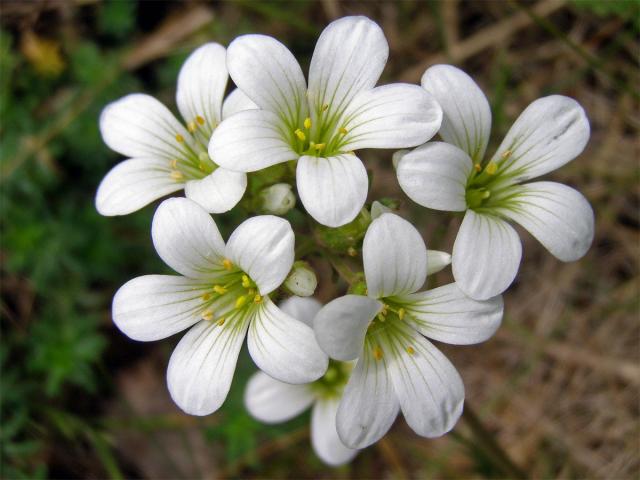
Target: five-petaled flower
{"type": "Point", "coordinates": [223, 293]}
{"type": "Point", "coordinates": [320, 125]}
{"type": "Point", "coordinates": [453, 176]}
{"type": "Point", "coordinates": [166, 156]}
{"type": "Point", "coordinates": [272, 401]}
{"type": "Point", "coordinates": [397, 367]}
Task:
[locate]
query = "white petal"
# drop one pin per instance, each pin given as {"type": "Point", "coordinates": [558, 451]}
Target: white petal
{"type": "Point", "coordinates": [272, 401]}
{"type": "Point", "coordinates": [202, 365]}
{"type": "Point", "coordinates": [558, 216]}
{"type": "Point", "coordinates": [201, 85]}
{"type": "Point", "coordinates": [435, 176]}
{"type": "Point", "coordinates": [157, 306]}
{"type": "Point", "coordinates": [187, 239]}
{"type": "Point", "coordinates": [134, 183]}
{"type": "Point", "coordinates": [218, 192]}
{"type": "Point", "coordinates": [269, 74]}
{"type": "Point", "coordinates": [324, 436]}
{"type": "Point", "coordinates": [237, 101]}
{"type": "Point", "coordinates": [378, 209]}
{"type": "Point", "coordinates": [250, 141]}
{"type": "Point", "coordinates": [138, 125]}
{"type": "Point", "coordinates": [303, 309]}
{"type": "Point", "coordinates": [486, 255]}
{"type": "Point", "coordinates": [333, 190]}
{"type": "Point", "coordinates": [467, 115]}
{"type": "Point", "coordinates": [369, 404]}
{"type": "Point", "coordinates": [349, 58]}
{"type": "Point", "coordinates": [394, 257]}
{"type": "Point", "coordinates": [262, 247]}
{"type": "Point", "coordinates": [429, 388]}
{"type": "Point", "coordinates": [283, 347]}
{"type": "Point", "coordinates": [446, 314]}
{"type": "Point", "coordinates": [437, 260]}
{"type": "Point", "coordinates": [392, 116]}
{"type": "Point", "coordinates": [340, 326]}
{"type": "Point", "coordinates": [550, 132]}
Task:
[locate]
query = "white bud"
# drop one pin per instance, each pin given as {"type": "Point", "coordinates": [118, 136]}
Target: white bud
{"type": "Point", "coordinates": [302, 280]}
{"type": "Point", "coordinates": [437, 260]}
{"type": "Point", "coordinates": [277, 199]}
{"type": "Point", "coordinates": [378, 209]}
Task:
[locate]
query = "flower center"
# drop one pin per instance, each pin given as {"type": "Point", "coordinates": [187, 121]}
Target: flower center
{"type": "Point", "coordinates": [192, 161]}
{"type": "Point", "coordinates": [334, 380]}
{"type": "Point", "coordinates": [321, 137]}
{"type": "Point", "coordinates": [383, 335]}
{"type": "Point", "coordinates": [488, 187]}
{"type": "Point", "coordinates": [231, 298]}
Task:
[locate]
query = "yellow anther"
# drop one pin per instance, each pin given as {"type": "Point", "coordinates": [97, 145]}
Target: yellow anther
{"type": "Point", "coordinates": [343, 130]}
{"type": "Point", "coordinates": [174, 163]}
{"type": "Point", "coordinates": [385, 309]}
{"type": "Point", "coordinates": [257, 298]}
{"type": "Point", "coordinates": [226, 263]}
{"type": "Point", "coordinates": [352, 252]}
{"type": "Point", "coordinates": [325, 107]}
{"type": "Point", "coordinates": [206, 297]}
{"type": "Point", "coordinates": [377, 353]}
{"type": "Point", "coordinates": [486, 195]}
{"type": "Point", "coordinates": [506, 154]}
{"type": "Point", "coordinates": [410, 350]}
{"type": "Point", "coordinates": [307, 123]}
{"type": "Point", "coordinates": [251, 291]}
{"type": "Point", "coordinates": [240, 301]}
{"type": "Point", "coordinates": [199, 119]}
{"type": "Point", "coordinates": [202, 166]}
{"type": "Point", "coordinates": [492, 168]}
{"type": "Point", "coordinates": [179, 138]}
{"type": "Point", "coordinates": [319, 146]}
{"type": "Point", "coordinates": [192, 127]}
{"type": "Point", "coordinates": [477, 167]}
{"type": "Point", "coordinates": [221, 321]}
{"type": "Point", "coordinates": [300, 134]}
{"type": "Point", "coordinates": [220, 290]}
{"type": "Point", "coordinates": [381, 317]}
{"type": "Point", "coordinates": [176, 175]}
{"type": "Point", "coordinates": [246, 282]}
{"type": "Point", "coordinates": [401, 312]}
{"type": "Point", "coordinates": [207, 315]}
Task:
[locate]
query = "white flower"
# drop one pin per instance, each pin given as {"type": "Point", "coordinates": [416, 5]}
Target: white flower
{"type": "Point", "coordinates": [452, 176]}
{"type": "Point", "coordinates": [272, 401]}
{"type": "Point", "coordinates": [166, 156]}
{"type": "Point", "coordinates": [320, 125]}
{"type": "Point", "coordinates": [397, 367]}
{"type": "Point", "coordinates": [223, 293]}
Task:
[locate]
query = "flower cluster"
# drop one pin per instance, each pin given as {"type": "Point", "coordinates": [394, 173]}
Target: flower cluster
{"type": "Point", "coordinates": [363, 357]}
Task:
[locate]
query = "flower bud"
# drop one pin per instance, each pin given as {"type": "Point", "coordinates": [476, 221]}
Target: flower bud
{"type": "Point", "coordinates": [302, 280]}
{"type": "Point", "coordinates": [277, 199]}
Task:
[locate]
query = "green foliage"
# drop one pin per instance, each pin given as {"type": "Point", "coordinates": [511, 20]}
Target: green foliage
{"type": "Point", "coordinates": [628, 10]}
{"type": "Point", "coordinates": [117, 18]}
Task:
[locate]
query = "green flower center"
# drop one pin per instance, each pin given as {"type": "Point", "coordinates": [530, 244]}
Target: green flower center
{"type": "Point", "coordinates": [192, 160]}
{"type": "Point", "coordinates": [384, 334]}
{"type": "Point", "coordinates": [321, 137]}
{"type": "Point", "coordinates": [490, 187]}
{"type": "Point", "coordinates": [334, 380]}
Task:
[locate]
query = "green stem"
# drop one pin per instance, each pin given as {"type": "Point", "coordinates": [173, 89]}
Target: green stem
{"type": "Point", "coordinates": [485, 441]}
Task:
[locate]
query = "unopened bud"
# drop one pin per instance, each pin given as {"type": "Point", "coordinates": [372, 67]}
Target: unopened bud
{"type": "Point", "coordinates": [302, 280]}
{"type": "Point", "coordinates": [437, 260]}
{"type": "Point", "coordinates": [277, 199]}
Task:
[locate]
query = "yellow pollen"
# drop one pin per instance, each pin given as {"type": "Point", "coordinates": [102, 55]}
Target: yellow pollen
{"type": "Point", "coordinates": [492, 168]}
{"type": "Point", "coordinates": [410, 350]}
{"type": "Point", "coordinates": [352, 252]}
{"type": "Point", "coordinates": [478, 167]}
{"type": "Point", "coordinates": [199, 119]}
{"type": "Point", "coordinates": [206, 297]}
{"type": "Point", "coordinates": [226, 263]}
{"type": "Point", "coordinates": [240, 301]}
{"type": "Point", "coordinates": [246, 283]}
{"type": "Point", "coordinates": [201, 166]}
{"type": "Point", "coordinates": [486, 195]}
{"type": "Point", "coordinates": [207, 315]}
{"type": "Point", "coordinates": [179, 138]}
{"type": "Point", "coordinates": [307, 123]}
{"type": "Point", "coordinates": [319, 146]}
{"type": "Point", "coordinates": [506, 154]}
{"type": "Point", "coordinates": [300, 134]}
{"type": "Point", "coordinates": [257, 299]}
{"type": "Point", "coordinates": [174, 163]}
{"type": "Point", "coordinates": [343, 130]}
{"type": "Point", "coordinates": [325, 107]}
{"type": "Point", "coordinates": [377, 353]}
{"type": "Point", "coordinates": [192, 127]}
{"type": "Point", "coordinates": [176, 175]}
{"type": "Point", "coordinates": [401, 313]}
{"type": "Point", "coordinates": [221, 321]}
{"type": "Point", "coordinates": [219, 289]}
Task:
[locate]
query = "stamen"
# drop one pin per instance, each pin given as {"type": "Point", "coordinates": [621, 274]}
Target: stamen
{"type": "Point", "coordinates": [240, 301]}
{"type": "Point", "coordinates": [257, 298]}
{"type": "Point", "coordinates": [300, 134]}
{"type": "Point", "coordinates": [221, 321]}
{"type": "Point", "coordinates": [174, 163]}
{"type": "Point", "coordinates": [319, 146]}
{"type": "Point", "coordinates": [307, 123]}
{"type": "Point", "coordinates": [492, 168]}
{"type": "Point", "coordinates": [206, 297]}
{"type": "Point", "coordinates": [219, 289]}
{"type": "Point", "coordinates": [343, 130]}
{"type": "Point", "coordinates": [226, 263]}
{"type": "Point", "coordinates": [207, 315]}
{"type": "Point", "coordinates": [477, 167]}
{"type": "Point", "coordinates": [377, 353]}
{"type": "Point", "coordinates": [325, 107]}
{"type": "Point", "coordinates": [192, 127]}
{"type": "Point", "coordinates": [202, 166]}
{"type": "Point", "coordinates": [246, 282]}
{"type": "Point", "coordinates": [176, 175]}
{"type": "Point", "coordinates": [486, 194]}
{"type": "Point", "coordinates": [410, 350]}
{"type": "Point", "coordinates": [179, 138]}
{"type": "Point", "coordinates": [199, 119]}
{"type": "Point", "coordinates": [506, 154]}
{"type": "Point", "coordinates": [381, 317]}
{"type": "Point", "coordinates": [401, 313]}
{"type": "Point", "coordinates": [352, 252]}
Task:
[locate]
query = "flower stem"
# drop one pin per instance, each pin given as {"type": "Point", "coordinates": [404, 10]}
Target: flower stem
{"type": "Point", "coordinates": [485, 441]}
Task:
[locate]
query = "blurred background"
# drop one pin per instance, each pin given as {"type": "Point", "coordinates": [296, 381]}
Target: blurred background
{"type": "Point", "coordinates": [557, 387]}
